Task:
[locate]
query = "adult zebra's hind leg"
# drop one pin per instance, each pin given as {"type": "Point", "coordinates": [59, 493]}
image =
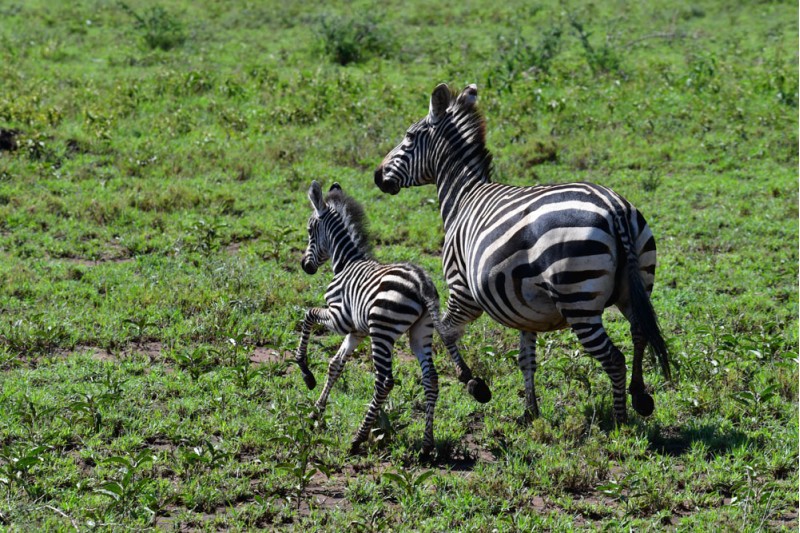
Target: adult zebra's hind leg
{"type": "Point", "coordinates": [641, 401]}
{"type": "Point", "coordinates": [592, 335]}
{"type": "Point", "coordinates": [527, 364]}
{"type": "Point", "coordinates": [420, 338]}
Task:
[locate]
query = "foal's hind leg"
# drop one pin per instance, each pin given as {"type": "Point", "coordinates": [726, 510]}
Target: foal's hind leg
{"type": "Point", "coordinates": [420, 337]}
{"type": "Point", "coordinates": [383, 339]}
{"type": "Point", "coordinates": [595, 341]}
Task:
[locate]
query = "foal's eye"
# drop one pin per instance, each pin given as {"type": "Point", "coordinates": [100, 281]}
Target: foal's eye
{"type": "Point", "coordinates": [411, 136]}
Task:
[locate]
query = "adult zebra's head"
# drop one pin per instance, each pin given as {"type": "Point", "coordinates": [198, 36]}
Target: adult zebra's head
{"type": "Point", "coordinates": [453, 124]}
{"type": "Point", "coordinates": [337, 228]}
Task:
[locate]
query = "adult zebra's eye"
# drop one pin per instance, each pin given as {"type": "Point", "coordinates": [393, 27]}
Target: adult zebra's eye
{"type": "Point", "coordinates": [411, 136]}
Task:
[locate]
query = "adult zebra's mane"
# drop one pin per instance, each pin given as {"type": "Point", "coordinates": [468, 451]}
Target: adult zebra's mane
{"type": "Point", "coordinates": [354, 218]}
{"type": "Point", "coordinates": [471, 126]}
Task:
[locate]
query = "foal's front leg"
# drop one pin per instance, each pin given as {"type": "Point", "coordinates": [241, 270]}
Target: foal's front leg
{"type": "Point", "coordinates": [315, 315]}
{"type": "Point", "coordinates": [335, 367]}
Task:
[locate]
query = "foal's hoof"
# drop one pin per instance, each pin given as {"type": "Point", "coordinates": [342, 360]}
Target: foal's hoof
{"type": "Point", "coordinates": [643, 403]}
{"type": "Point", "coordinates": [427, 449]}
{"type": "Point", "coordinates": [355, 448]}
{"type": "Point", "coordinates": [311, 382]}
{"type": "Point", "coordinates": [479, 390]}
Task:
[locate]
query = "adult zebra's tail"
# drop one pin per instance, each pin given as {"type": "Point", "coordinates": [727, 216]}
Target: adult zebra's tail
{"type": "Point", "coordinates": [475, 386]}
{"type": "Point", "coordinates": [643, 315]}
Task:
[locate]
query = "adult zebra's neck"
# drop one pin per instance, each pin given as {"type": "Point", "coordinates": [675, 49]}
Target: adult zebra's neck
{"type": "Point", "coordinates": [460, 169]}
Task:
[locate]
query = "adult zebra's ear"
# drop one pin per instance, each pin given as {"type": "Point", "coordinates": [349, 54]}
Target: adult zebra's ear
{"type": "Point", "coordinates": [315, 195]}
{"type": "Point", "coordinates": [469, 96]}
{"type": "Point", "coordinates": [440, 101]}
{"type": "Point", "coordinates": [335, 187]}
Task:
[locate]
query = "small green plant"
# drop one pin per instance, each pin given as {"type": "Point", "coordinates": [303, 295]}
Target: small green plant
{"type": "Point", "coordinates": [139, 325]}
{"type": "Point", "coordinates": [278, 243]}
{"type": "Point", "coordinates": [196, 361]}
{"type": "Point", "coordinates": [388, 423]}
{"type": "Point", "coordinates": [352, 40]}
{"type": "Point", "coordinates": [204, 237]}
{"type": "Point", "coordinates": [206, 454]}
{"type": "Point", "coordinates": [602, 59]}
{"type": "Point", "coordinates": [129, 490]}
{"type": "Point", "coordinates": [650, 182]}
{"type": "Point", "coordinates": [32, 416]}
{"type": "Point", "coordinates": [17, 465]}
{"type": "Point", "coordinates": [518, 57]}
{"type": "Point", "coordinates": [89, 406]}
{"type": "Point", "coordinates": [159, 28]}
{"type": "Point", "coordinates": [301, 440]}
{"type": "Point", "coordinates": [407, 482]}
{"type": "Point", "coordinates": [33, 336]}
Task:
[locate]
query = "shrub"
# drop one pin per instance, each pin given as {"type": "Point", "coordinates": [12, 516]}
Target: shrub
{"type": "Point", "coordinates": [159, 28]}
{"type": "Point", "coordinates": [352, 40]}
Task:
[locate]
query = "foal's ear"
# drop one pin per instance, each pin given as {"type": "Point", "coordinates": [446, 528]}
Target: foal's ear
{"type": "Point", "coordinates": [315, 195]}
{"type": "Point", "coordinates": [440, 100]}
{"type": "Point", "coordinates": [335, 187]}
{"type": "Point", "coordinates": [469, 96]}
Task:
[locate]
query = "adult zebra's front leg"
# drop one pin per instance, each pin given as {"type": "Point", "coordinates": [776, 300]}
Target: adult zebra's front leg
{"type": "Point", "coordinates": [460, 312]}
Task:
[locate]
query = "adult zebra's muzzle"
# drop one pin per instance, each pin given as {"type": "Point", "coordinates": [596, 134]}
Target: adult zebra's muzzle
{"type": "Point", "coordinates": [387, 185]}
{"type": "Point", "coordinates": [308, 266]}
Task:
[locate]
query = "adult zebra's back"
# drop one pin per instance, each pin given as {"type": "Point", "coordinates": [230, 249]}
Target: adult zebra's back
{"type": "Point", "coordinates": [534, 258]}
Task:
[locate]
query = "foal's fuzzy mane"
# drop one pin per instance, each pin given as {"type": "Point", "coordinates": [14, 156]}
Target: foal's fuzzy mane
{"type": "Point", "coordinates": [354, 218]}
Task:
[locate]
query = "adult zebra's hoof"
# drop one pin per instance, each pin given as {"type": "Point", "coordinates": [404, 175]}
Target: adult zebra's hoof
{"type": "Point", "coordinates": [643, 403]}
{"type": "Point", "coordinates": [311, 382]}
{"type": "Point", "coordinates": [479, 390]}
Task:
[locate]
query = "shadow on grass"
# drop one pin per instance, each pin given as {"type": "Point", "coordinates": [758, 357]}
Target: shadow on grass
{"type": "Point", "coordinates": [678, 441]}
{"type": "Point", "coordinates": [672, 441]}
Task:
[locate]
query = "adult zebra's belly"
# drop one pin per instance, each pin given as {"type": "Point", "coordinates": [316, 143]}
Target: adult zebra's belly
{"type": "Point", "coordinates": [537, 283]}
{"type": "Point", "coordinates": [517, 302]}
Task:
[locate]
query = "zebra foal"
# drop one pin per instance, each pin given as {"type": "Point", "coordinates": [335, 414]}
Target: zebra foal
{"type": "Point", "coordinates": [367, 298]}
{"type": "Point", "coordinates": [537, 258]}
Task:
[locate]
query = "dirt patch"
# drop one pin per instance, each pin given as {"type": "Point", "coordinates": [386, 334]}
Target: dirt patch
{"type": "Point", "coordinates": [151, 349]}
{"type": "Point", "coordinates": [270, 355]}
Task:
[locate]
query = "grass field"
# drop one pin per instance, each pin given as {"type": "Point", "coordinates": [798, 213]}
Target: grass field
{"type": "Point", "coordinates": [154, 162]}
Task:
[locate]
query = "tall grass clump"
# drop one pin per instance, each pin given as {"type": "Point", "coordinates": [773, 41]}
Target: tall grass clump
{"type": "Point", "coordinates": [352, 39]}
{"type": "Point", "coordinates": [160, 28]}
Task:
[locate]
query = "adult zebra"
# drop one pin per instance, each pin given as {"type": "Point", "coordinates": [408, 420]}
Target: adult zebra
{"type": "Point", "coordinates": [534, 258]}
{"type": "Point", "coordinates": [367, 298]}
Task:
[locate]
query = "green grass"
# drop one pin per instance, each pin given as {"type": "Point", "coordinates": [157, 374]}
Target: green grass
{"type": "Point", "coordinates": [153, 207]}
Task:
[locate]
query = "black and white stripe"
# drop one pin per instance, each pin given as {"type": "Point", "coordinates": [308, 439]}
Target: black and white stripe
{"type": "Point", "coordinates": [367, 298]}
{"type": "Point", "coordinates": [534, 258]}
